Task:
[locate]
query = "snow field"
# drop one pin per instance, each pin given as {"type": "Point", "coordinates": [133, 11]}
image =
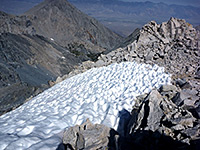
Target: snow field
{"type": "Point", "coordinates": [98, 94]}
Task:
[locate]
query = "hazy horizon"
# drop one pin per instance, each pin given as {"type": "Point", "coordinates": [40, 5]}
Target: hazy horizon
{"type": "Point", "coordinates": [177, 2]}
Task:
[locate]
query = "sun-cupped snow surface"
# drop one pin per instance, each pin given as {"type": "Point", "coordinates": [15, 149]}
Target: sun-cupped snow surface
{"type": "Point", "coordinates": [98, 94]}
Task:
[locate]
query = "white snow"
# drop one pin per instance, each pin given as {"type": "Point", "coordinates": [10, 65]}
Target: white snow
{"type": "Point", "coordinates": [98, 94]}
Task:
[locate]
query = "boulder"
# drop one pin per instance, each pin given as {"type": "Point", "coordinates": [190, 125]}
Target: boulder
{"type": "Point", "coordinates": [89, 136]}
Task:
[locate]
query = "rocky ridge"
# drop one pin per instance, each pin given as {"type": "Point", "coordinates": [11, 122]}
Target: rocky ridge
{"type": "Point", "coordinates": [15, 24]}
{"type": "Point", "coordinates": [160, 111]}
{"type": "Point", "coordinates": [174, 45]}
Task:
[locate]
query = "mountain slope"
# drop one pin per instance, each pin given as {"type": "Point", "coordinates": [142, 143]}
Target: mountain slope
{"type": "Point", "coordinates": [59, 20]}
{"type": "Point", "coordinates": [27, 63]}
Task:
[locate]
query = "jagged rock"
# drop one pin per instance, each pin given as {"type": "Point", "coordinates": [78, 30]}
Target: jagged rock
{"type": "Point", "coordinates": [167, 88]}
{"type": "Point", "coordinates": [89, 136]}
{"type": "Point", "coordinates": [59, 79]}
{"type": "Point", "coordinates": [99, 63]}
{"type": "Point", "coordinates": [88, 64]}
{"type": "Point", "coordinates": [51, 83]}
{"type": "Point", "coordinates": [158, 113]}
{"type": "Point", "coordinates": [182, 83]}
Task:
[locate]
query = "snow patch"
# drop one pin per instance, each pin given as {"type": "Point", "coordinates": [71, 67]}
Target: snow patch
{"type": "Point", "coordinates": [98, 94]}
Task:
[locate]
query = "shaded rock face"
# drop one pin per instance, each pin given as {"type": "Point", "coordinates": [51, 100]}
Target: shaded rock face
{"type": "Point", "coordinates": [89, 136]}
{"type": "Point", "coordinates": [27, 64]}
{"type": "Point", "coordinates": [197, 27]}
{"type": "Point", "coordinates": [16, 24]}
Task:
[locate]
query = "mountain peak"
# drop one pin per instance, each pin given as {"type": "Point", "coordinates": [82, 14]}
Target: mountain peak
{"type": "Point", "coordinates": [48, 4]}
{"type": "Point", "coordinates": [60, 20]}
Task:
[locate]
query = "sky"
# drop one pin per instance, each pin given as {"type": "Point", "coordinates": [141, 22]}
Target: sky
{"type": "Point", "coordinates": [180, 2]}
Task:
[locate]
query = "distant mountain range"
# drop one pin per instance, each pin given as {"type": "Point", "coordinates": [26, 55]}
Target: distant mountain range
{"type": "Point", "coordinates": [124, 17]}
{"type": "Point", "coordinates": [121, 17]}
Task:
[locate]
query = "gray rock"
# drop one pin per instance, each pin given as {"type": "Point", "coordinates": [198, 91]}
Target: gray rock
{"type": "Point", "coordinates": [167, 88]}
{"type": "Point", "coordinates": [89, 136]}
{"type": "Point", "coordinates": [197, 73]}
{"type": "Point", "coordinates": [156, 122]}
{"type": "Point", "coordinates": [99, 63]}
{"type": "Point", "coordinates": [150, 55]}
{"type": "Point", "coordinates": [155, 113]}
{"type": "Point", "coordinates": [182, 83]}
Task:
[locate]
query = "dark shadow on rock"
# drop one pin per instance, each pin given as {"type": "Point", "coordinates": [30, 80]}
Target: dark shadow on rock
{"type": "Point", "coordinates": [112, 140]}
{"type": "Point", "coordinates": [62, 146]}
{"type": "Point", "coordinates": [125, 117]}
{"type": "Point", "coordinates": [195, 144]}
{"type": "Point", "coordinates": [148, 140]}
